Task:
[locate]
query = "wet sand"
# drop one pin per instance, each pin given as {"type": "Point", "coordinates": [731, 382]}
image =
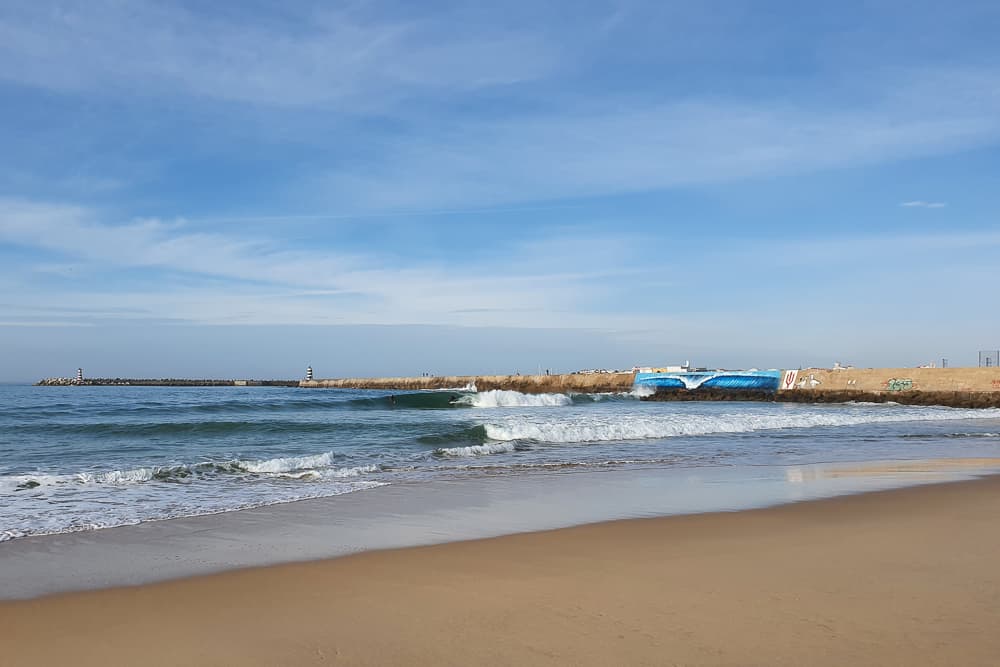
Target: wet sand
{"type": "Point", "coordinates": [909, 576]}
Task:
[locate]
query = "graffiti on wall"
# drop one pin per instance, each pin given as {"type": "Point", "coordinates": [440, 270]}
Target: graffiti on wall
{"type": "Point", "coordinates": [811, 382]}
{"type": "Point", "coordinates": [899, 384]}
{"type": "Point", "coordinates": [788, 380]}
{"type": "Point", "coordinates": [996, 384]}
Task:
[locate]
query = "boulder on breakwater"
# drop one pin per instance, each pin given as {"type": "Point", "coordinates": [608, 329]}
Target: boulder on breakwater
{"type": "Point", "coordinates": [951, 399]}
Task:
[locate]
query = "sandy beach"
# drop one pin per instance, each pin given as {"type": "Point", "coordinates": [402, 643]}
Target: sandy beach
{"type": "Point", "coordinates": [896, 577]}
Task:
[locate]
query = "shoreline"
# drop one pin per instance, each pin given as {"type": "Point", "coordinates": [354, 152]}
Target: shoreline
{"type": "Point", "coordinates": [904, 576]}
{"type": "Point", "coordinates": [414, 514]}
{"type": "Point", "coordinates": [526, 384]}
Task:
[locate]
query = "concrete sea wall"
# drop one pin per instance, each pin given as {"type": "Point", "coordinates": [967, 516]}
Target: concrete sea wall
{"type": "Point", "coordinates": [892, 380]}
{"type": "Point", "coordinates": [527, 384]}
{"type": "Point", "coordinates": [954, 387]}
{"type": "Point", "coordinates": [959, 387]}
{"type": "Point", "coordinates": [161, 382]}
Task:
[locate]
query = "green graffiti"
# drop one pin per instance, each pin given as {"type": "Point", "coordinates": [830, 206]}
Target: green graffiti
{"type": "Point", "coordinates": [899, 384]}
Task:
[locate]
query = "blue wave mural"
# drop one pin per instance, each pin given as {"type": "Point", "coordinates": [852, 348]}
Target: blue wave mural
{"type": "Point", "coordinates": [692, 380]}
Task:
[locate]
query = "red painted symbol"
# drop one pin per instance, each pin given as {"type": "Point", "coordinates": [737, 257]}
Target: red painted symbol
{"type": "Point", "coordinates": [790, 379]}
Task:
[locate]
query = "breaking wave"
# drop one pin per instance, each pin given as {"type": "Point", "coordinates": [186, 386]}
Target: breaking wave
{"type": "Point", "coordinates": [643, 427]}
{"type": "Point", "coordinates": [502, 398]}
{"type": "Point", "coordinates": [467, 397]}
{"type": "Point", "coordinates": [319, 466]}
{"type": "Point", "coordinates": [477, 450]}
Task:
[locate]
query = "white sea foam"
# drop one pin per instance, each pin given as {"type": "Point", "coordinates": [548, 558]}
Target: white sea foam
{"type": "Point", "coordinates": [642, 391]}
{"type": "Point", "coordinates": [24, 518]}
{"type": "Point", "coordinates": [502, 398]}
{"type": "Point", "coordinates": [350, 472]}
{"type": "Point", "coordinates": [477, 450]}
{"type": "Point", "coordinates": [469, 387]}
{"type": "Point", "coordinates": [288, 464]}
{"type": "Point", "coordinates": [10, 483]}
{"type": "Point", "coordinates": [593, 428]}
{"type": "Point", "coordinates": [110, 477]}
{"type": "Point", "coordinates": [134, 476]}
{"type": "Point", "coordinates": [296, 467]}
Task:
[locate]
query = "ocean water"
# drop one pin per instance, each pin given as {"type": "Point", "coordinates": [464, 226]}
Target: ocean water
{"type": "Point", "coordinates": [82, 458]}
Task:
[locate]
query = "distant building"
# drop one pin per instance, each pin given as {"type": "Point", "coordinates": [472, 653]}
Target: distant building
{"type": "Point", "coordinates": [683, 368]}
{"type": "Point", "coordinates": [309, 373]}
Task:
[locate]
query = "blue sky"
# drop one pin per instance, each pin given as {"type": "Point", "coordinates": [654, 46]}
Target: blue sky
{"type": "Point", "coordinates": [375, 188]}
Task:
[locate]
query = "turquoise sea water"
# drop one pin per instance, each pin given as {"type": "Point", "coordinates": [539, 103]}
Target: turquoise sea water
{"type": "Point", "coordinates": [78, 458]}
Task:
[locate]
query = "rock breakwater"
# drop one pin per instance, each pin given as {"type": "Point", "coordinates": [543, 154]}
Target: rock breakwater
{"type": "Point", "coordinates": [589, 383]}
{"type": "Point", "coordinates": [162, 382]}
{"type": "Point", "coordinates": [952, 399]}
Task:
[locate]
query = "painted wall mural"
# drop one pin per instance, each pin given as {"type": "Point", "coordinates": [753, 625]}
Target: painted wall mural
{"type": "Point", "coordinates": [726, 380]}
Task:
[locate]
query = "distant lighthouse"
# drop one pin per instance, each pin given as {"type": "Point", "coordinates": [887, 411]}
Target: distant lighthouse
{"type": "Point", "coordinates": [79, 376]}
{"type": "Point", "coordinates": [309, 374]}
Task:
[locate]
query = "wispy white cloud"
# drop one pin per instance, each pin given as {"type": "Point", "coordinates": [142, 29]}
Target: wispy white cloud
{"type": "Point", "coordinates": [245, 279]}
{"type": "Point", "coordinates": [552, 123]}
{"type": "Point", "coordinates": [601, 149]}
{"type": "Point", "coordinates": [307, 56]}
{"type": "Point", "coordinates": [561, 280]}
{"type": "Point", "coordinates": [917, 203]}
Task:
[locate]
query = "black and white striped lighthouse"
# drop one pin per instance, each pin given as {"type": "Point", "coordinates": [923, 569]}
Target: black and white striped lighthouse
{"type": "Point", "coordinates": [309, 374]}
{"type": "Point", "coordinates": [79, 376]}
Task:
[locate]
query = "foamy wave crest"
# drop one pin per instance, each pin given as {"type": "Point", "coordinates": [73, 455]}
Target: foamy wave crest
{"type": "Point", "coordinates": [634, 427]}
{"type": "Point", "coordinates": [351, 472]}
{"type": "Point", "coordinates": [636, 393]}
{"type": "Point", "coordinates": [299, 467]}
{"type": "Point", "coordinates": [469, 387]}
{"type": "Point", "coordinates": [477, 450]}
{"type": "Point", "coordinates": [134, 476]}
{"type": "Point", "coordinates": [287, 464]}
{"type": "Point", "coordinates": [502, 398]}
{"type": "Point", "coordinates": [110, 477]}
{"type": "Point", "coordinates": [642, 391]}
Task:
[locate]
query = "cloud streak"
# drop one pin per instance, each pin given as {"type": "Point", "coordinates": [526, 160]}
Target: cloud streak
{"type": "Point", "coordinates": [917, 203]}
{"type": "Point", "coordinates": [371, 109]}
{"type": "Point", "coordinates": [230, 278]}
{"type": "Point", "coordinates": [600, 150]}
{"type": "Point", "coordinates": [311, 56]}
